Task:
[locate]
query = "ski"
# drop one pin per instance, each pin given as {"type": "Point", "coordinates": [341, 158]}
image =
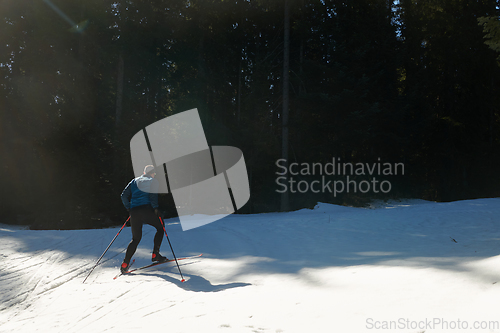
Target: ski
{"type": "Point", "coordinates": [133, 260]}
{"type": "Point", "coordinates": [156, 264]}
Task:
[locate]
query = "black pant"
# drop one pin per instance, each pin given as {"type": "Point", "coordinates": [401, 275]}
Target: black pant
{"type": "Point", "coordinates": [139, 216]}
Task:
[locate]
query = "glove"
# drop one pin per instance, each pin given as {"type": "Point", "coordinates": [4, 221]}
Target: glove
{"type": "Point", "coordinates": [158, 213]}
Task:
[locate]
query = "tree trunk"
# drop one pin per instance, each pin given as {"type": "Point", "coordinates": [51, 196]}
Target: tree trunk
{"type": "Point", "coordinates": [119, 92]}
{"type": "Point", "coordinates": [238, 111]}
{"type": "Point", "coordinates": [117, 155]}
{"type": "Point", "coordinates": [286, 78]}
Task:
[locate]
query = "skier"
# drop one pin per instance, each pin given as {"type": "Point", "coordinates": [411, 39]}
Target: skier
{"type": "Point", "coordinates": [143, 208]}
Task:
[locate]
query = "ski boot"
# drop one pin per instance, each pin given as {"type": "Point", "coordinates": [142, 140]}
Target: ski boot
{"type": "Point", "coordinates": [124, 267]}
{"type": "Point", "coordinates": [157, 257]}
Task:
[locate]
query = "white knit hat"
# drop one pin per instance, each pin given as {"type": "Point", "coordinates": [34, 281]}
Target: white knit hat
{"type": "Point", "coordinates": [149, 169]}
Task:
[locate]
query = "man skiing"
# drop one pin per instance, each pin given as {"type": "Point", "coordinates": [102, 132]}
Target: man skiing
{"type": "Point", "coordinates": [140, 198]}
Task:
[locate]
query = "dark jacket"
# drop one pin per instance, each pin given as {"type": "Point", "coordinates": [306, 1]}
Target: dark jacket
{"type": "Point", "coordinates": [132, 196]}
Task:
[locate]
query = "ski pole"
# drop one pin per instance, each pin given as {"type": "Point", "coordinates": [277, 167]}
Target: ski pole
{"type": "Point", "coordinates": [123, 226]}
{"type": "Point", "coordinates": [165, 230]}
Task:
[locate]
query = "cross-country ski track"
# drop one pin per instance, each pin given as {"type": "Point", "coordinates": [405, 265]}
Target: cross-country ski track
{"type": "Point", "coordinates": [410, 266]}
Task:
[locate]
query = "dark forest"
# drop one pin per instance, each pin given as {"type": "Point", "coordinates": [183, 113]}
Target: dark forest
{"type": "Point", "coordinates": [373, 82]}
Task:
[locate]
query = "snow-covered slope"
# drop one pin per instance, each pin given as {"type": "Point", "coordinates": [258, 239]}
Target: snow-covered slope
{"type": "Point", "coordinates": [414, 266]}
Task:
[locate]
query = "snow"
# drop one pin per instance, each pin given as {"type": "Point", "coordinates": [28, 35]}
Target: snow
{"type": "Point", "coordinates": [411, 266]}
